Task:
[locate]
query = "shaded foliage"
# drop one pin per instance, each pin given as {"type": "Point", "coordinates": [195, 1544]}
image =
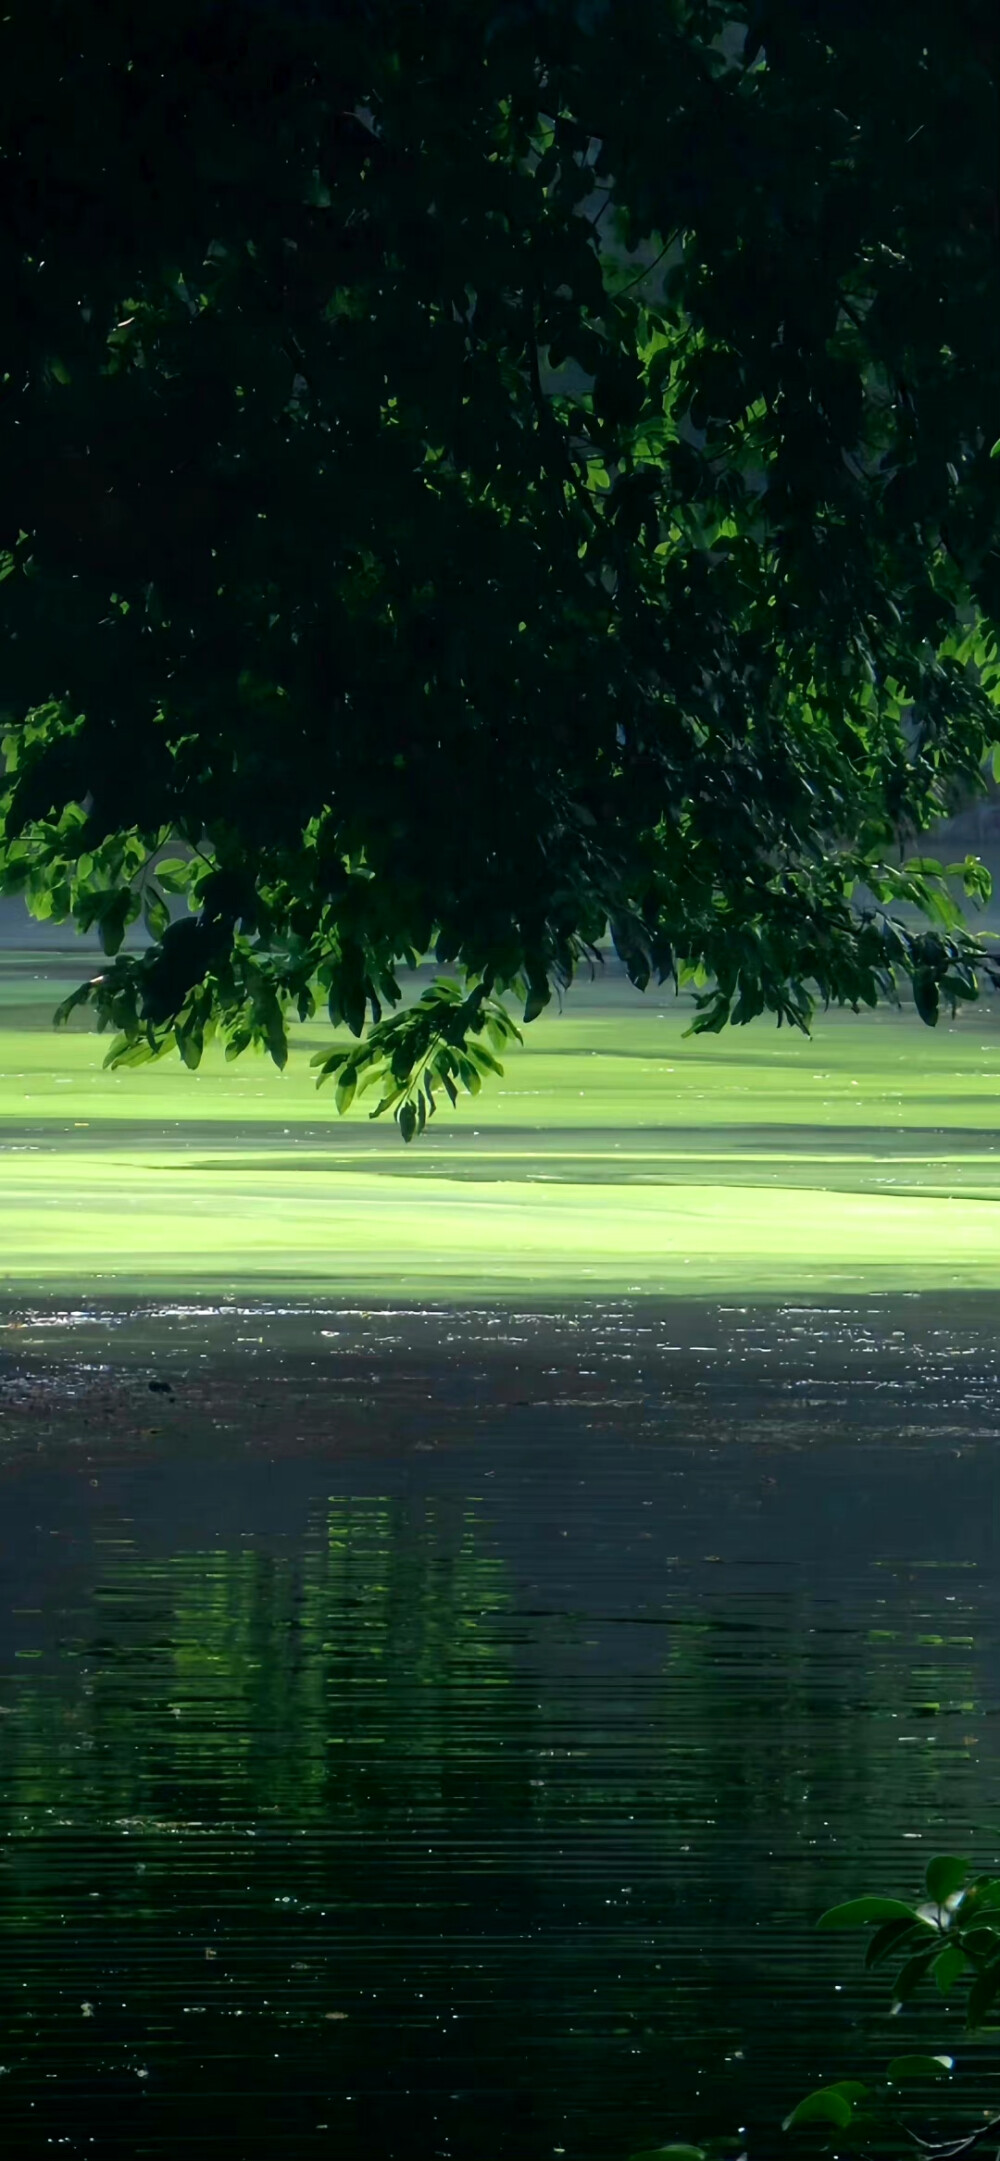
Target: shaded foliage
{"type": "Point", "coordinates": [478, 474]}
{"type": "Point", "coordinates": [951, 1935]}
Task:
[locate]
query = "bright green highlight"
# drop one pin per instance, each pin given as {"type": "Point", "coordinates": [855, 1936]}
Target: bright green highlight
{"type": "Point", "coordinates": [614, 1156]}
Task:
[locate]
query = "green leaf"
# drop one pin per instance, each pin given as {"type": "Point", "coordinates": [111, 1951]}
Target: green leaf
{"type": "Point", "coordinates": [330, 1061]}
{"type": "Point", "coordinates": [945, 1875]}
{"type": "Point", "coordinates": [407, 1120]}
{"type": "Point", "coordinates": [982, 1940]}
{"type": "Point", "coordinates": [903, 2068]}
{"type": "Point", "coordinates": [671, 2153]}
{"type": "Point", "coordinates": [115, 912]}
{"type": "Point", "coordinates": [926, 998]}
{"type": "Point", "coordinates": [82, 995]}
{"type": "Point", "coordinates": [983, 1896]}
{"type": "Point", "coordinates": [948, 1967]}
{"type": "Point", "coordinates": [155, 915]}
{"type": "Point", "coordinates": [484, 1058]}
{"type": "Point", "coordinates": [128, 1051]}
{"type": "Point", "coordinates": [856, 1911]}
{"type": "Point", "coordinates": [345, 1089]}
{"type": "Point", "coordinates": [174, 875]}
{"type": "Point", "coordinates": [974, 875]}
{"type": "Point", "coordinates": [983, 1995]}
{"type": "Point", "coordinates": [911, 1975]}
{"type": "Point", "coordinates": [827, 2105]}
{"type": "Point", "coordinates": [894, 1936]}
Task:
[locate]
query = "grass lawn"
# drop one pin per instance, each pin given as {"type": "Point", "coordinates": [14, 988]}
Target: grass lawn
{"type": "Point", "coordinates": [614, 1156]}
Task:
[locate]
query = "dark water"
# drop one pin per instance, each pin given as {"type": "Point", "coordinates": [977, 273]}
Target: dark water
{"type": "Point", "coordinates": [436, 1735]}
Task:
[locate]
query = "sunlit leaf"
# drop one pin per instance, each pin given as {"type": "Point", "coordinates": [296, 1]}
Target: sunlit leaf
{"type": "Point", "coordinates": [945, 1875]}
{"type": "Point", "coordinates": [904, 2068]}
{"type": "Point", "coordinates": [174, 875]}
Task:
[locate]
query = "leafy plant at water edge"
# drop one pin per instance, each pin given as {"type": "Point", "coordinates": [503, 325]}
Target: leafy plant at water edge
{"type": "Point", "coordinates": [951, 1936]}
{"type": "Point", "coordinates": [851, 2115]}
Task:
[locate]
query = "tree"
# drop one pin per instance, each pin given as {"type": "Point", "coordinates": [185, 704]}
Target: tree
{"type": "Point", "coordinates": [475, 472]}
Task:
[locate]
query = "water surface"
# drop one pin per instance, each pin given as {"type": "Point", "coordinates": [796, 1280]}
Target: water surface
{"type": "Point", "coordinates": [437, 1732]}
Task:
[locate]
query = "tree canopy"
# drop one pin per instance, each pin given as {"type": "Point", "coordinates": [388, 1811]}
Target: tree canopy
{"type": "Point", "coordinates": [477, 473]}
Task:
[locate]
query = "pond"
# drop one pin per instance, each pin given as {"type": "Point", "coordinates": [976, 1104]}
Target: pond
{"type": "Point", "coordinates": [456, 1637]}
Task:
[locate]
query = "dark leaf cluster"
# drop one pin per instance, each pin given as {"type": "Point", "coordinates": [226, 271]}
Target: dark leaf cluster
{"type": "Point", "coordinates": [474, 477]}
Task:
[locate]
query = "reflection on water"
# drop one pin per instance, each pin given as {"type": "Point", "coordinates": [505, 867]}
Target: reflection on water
{"type": "Point", "coordinates": [467, 1785]}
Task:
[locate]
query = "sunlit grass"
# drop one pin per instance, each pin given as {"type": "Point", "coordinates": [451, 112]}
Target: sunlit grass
{"type": "Point", "coordinates": [614, 1155]}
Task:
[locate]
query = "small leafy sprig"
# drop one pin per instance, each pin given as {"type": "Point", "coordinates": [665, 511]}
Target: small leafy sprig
{"type": "Point", "coordinates": [860, 2111]}
{"type": "Point", "coordinates": [445, 1039]}
{"type": "Point", "coordinates": [849, 2109]}
{"type": "Point", "coordinates": [953, 1935]}
{"type": "Point", "coordinates": [715, 2149]}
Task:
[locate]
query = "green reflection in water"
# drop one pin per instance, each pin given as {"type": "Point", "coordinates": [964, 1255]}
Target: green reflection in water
{"type": "Point", "coordinates": [215, 1676]}
{"type": "Point", "coordinates": [355, 1816]}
